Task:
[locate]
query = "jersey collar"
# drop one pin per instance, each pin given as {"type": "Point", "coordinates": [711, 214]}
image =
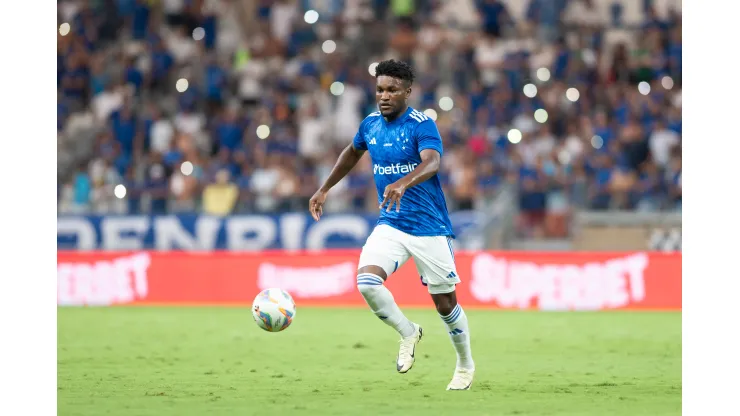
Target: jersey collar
{"type": "Point", "coordinates": [400, 118]}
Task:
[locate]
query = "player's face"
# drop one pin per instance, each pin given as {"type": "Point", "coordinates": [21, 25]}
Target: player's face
{"type": "Point", "coordinates": [391, 95]}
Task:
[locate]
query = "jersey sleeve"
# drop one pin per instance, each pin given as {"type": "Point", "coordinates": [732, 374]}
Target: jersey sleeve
{"type": "Point", "coordinates": [359, 140]}
{"type": "Point", "coordinates": [428, 137]}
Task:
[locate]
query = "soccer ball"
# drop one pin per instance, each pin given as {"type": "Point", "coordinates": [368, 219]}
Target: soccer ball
{"type": "Point", "coordinates": [273, 310]}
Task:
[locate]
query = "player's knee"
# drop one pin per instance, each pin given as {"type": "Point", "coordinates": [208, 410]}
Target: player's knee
{"type": "Point", "coordinates": [445, 307]}
{"type": "Point", "coordinates": [444, 302]}
{"type": "Point", "coordinates": [369, 282]}
{"type": "Point", "coordinates": [374, 270]}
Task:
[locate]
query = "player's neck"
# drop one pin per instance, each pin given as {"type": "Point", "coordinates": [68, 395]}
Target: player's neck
{"type": "Point", "coordinates": [396, 116]}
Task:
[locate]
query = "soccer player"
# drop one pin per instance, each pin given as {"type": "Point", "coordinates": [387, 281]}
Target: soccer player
{"type": "Point", "coordinates": [405, 149]}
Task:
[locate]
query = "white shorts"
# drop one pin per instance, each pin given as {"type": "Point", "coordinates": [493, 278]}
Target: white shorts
{"type": "Point", "coordinates": [389, 249]}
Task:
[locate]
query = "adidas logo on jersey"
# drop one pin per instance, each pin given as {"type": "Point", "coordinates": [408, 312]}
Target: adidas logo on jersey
{"type": "Point", "coordinates": [418, 115]}
{"type": "Point", "coordinates": [394, 169]}
{"type": "Point", "coordinates": [373, 141]}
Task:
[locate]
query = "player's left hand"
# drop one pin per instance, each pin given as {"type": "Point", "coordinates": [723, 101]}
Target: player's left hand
{"type": "Point", "coordinates": [392, 195]}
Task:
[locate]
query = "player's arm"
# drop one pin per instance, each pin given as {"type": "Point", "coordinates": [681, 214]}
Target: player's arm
{"type": "Point", "coordinates": [428, 167]}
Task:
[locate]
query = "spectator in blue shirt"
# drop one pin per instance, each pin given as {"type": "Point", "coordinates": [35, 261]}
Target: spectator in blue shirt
{"type": "Point", "coordinates": [599, 192]}
{"type": "Point", "coordinates": [133, 75]}
{"type": "Point", "coordinates": [125, 126]}
{"type": "Point", "coordinates": [140, 20]}
{"type": "Point", "coordinates": [653, 21]}
{"type": "Point", "coordinates": [228, 130]}
{"type": "Point", "coordinates": [82, 187]}
{"type": "Point", "coordinates": [162, 64]}
{"type": "Point", "coordinates": [157, 184]}
{"type": "Point", "coordinates": [488, 179]}
{"type": "Point", "coordinates": [494, 16]}
{"type": "Point", "coordinates": [646, 193]}
{"type": "Point", "coordinates": [75, 79]}
{"type": "Point", "coordinates": [602, 128]}
{"type": "Point", "coordinates": [675, 53]}
{"type": "Point", "coordinates": [562, 60]}
{"type": "Point", "coordinates": [133, 191]}
{"type": "Point", "coordinates": [532, 199]}
{"type": "Point", "coordinates": [216, 81]}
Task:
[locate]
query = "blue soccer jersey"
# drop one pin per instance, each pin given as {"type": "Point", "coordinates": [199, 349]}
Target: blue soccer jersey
{"type": "Point", "coordinates": [395, 149]}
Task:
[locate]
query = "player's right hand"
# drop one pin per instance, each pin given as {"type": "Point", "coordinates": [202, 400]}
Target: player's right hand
{"type": "Point", "coordinates": [316, 204]}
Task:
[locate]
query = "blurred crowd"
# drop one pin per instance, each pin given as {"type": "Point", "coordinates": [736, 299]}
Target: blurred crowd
{"type": "Point", "coordinates": [225, 106]}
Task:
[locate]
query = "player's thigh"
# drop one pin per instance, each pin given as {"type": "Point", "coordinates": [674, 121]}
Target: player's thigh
{"type": "Point", "coordinates": [435, 262]}
{"type": "Point", "coordinates": [384, 248]}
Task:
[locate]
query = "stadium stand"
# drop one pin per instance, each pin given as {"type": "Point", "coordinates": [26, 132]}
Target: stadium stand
{"type": "Point", "coordinates": [222, 107]}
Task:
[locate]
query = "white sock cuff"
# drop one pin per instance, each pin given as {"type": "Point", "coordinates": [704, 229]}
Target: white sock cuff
{"type": "Point", "coordinates": [454, 316]}
{"type": "Point", "coordinates": [369, 279]}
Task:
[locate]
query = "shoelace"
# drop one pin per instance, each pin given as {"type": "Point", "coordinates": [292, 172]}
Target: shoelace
{"type": "Point", "coordinates": [406, 347]}
{"type": "Point", "coordinates": [460, 378]}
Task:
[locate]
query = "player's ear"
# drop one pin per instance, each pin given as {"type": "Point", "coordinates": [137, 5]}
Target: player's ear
{"type": "Point", "coordinates": [408, 91]}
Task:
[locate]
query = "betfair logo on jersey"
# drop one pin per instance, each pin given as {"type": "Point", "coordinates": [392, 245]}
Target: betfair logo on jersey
{"type": "Point", "coordinates": [394, 169]}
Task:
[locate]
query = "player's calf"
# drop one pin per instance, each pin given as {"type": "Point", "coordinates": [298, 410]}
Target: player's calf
{"type": "Point", "coordinates": [370, 284]}
{"type": "Point", "coordinates": [370, 281]}
{"type": "Point", "coordinates": [456, 321]}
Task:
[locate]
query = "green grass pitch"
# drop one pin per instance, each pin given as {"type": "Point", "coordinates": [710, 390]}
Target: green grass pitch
{"type": "Point", "coordinates": [216, 361]}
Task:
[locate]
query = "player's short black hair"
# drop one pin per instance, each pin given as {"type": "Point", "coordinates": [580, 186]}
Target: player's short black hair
{"type": "Point", "coordinates": [395, 69]}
